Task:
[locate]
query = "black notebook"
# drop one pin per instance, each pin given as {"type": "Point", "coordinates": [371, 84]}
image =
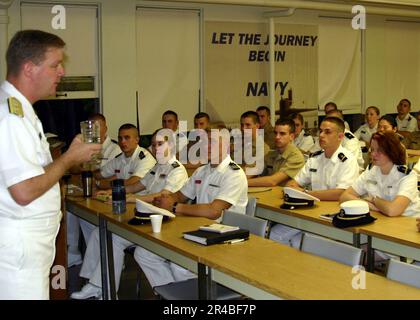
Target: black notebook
{"type": "Point", "coordinates": [208, 238]}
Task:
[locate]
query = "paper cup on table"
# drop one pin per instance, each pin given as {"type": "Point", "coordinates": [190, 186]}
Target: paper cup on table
{"type": "Point", "coordinates": [156, 220]}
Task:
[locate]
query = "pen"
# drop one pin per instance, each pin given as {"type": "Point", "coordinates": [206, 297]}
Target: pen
{"type": "Point", "coordinates": [234, 241]}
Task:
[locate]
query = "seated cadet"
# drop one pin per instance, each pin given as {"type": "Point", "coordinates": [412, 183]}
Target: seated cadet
{"type": "Point", "coordinates": [131, 165]}
{"type": "Point", "coordinates": [168, 175]}
{"type": "Point", "coordinates": [349, 141]}
{"type": "Point", "coordinates": [201, 122]}
{"type": "Point", "coordinates": [304, 141]}
{"type": "Point", "coordinates": [264, 119]}
{"type": "Point", "coordinates": [217, 186]}
{"type": "Point", "coordinates": [364, 133]}
{"type": "Point", "coordinates": [325, 175]}
{"type": "Point", "coordinates": [283, 163]}
{"type": "Point", "coordinates": [249, 149]}
{"type": "Point", "coordinates": [387, 123]}
{"type": "Point", "coordinates": [405, 121]}
{"type": "Point", "coordinates": [108, 152]}
{"type": "Point", "coordinates": [413, 140]}
{"type": "Point", "coordinates": [331, 106]}
{"type": "Point", "coordinates": [388, 185]}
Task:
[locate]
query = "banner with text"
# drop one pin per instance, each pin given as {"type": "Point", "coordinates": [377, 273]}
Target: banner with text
{"type": "Point", "coordinates": [237, 66]}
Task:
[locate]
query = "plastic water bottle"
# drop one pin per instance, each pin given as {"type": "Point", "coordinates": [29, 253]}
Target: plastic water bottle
{"type": "Point", "coordinates": [118, 196]}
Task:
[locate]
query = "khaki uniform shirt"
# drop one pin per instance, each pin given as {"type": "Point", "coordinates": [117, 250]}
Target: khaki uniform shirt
{"type": "Point", "coordinates": [289, 162]}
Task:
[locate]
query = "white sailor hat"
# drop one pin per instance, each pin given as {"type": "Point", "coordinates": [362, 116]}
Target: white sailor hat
{"type": "Point", "coordinates": [143, 211]}
{"type": "Point", "coordinates": [353, 213]}
{"type": "Point", "coordinates": [294, 198]}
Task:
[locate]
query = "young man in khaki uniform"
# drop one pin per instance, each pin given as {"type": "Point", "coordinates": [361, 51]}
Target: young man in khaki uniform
{"type": "Point", "coordinates": [264, 117]}
{"type": "Point", "coordinates": [284, 162]}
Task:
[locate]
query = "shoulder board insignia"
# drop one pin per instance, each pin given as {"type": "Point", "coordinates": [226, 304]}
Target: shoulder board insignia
{"type": "Point", "coordinates": [15, 107]}
{"type": "Point", "coordinates": [234, 166]}
{"type": "Point", "coordinates": [315, 154]}
{"type": "Point", "coordinates": [370, 166]}
{"type": "Point", "coordinates": [175, 164]}
{"type": "Point", "coordinates": [113, 141]}
{"type": "Point", "coordinates": [342, 157]}
{"type": "Point", "coordinates": [306, 134]}
{"type": "Point", "coordinates": [118, 155]}
{"type": "Point", "coordinates": [409, 118]}
{"type": "Point", "coordinates": [404, 169]}
{"type": "Point", "coordinates": [142, 155]}
{"type": "Point", "coordinates": [363, 131]}
{"type": "Point", "coordinates": [349, 135]}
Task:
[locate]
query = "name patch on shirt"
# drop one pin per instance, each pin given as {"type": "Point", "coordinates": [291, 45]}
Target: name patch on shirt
{"type": "Point", "coordinates": [116, 171]}
{"type": "Point", "coordinates": [163, 176]}
{"type": "Point", "coordinates": [197, 181]}
{"type": "Point", "coordinates": [312, 170]}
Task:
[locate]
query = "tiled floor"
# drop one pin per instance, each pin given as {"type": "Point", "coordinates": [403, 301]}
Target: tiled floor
{"type": "Point", "coordinates": [128, 285]}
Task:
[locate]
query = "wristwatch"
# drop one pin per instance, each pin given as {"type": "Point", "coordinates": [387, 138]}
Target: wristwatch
{"type": "Point", "coordinates": [174, 207]}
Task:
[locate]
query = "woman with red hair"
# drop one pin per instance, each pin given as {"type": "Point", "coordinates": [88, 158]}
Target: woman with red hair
{"type": "Point", "coordinates": [387, 184]}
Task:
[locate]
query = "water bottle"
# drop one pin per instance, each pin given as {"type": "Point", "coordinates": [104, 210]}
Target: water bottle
{"type": "Point", "coordinates": [118, 196]}
{"type": "Point", "coordinates": [87, 177]}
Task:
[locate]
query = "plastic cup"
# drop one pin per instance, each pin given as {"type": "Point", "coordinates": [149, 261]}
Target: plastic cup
{"type": "Point", "coordinates": [156, 220]}
{"type": "Point", "coordinates": [91, 133]}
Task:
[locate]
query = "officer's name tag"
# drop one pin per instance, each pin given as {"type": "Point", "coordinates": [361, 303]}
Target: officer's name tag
{"type": "Point", "coordinates": [197, 181]}
{"type": "Point", "coordinates": [213, 185]}
{"type": "Point", "coordinates": [372, 182]}
{"type": "Point", "coordinates": [15, 107]}
{"type": "Point", "coordinates": [312, 170]}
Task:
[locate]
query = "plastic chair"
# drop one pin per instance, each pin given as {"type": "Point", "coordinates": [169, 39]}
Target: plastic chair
{"type": "Point", "coordinates": [188, 289]}
{"type": "Point", "coordinates": [251, 206]}
{"type": "Point", "coordinates": [330, 249]}
{"type": "Point", "coordinates": [403, 272]}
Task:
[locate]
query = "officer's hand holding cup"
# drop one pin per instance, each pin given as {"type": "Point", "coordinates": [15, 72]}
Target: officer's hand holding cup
{"type": "Point", "coordinates": [91, 133]}
{"type": "Point", "coordinates": [80, 152]}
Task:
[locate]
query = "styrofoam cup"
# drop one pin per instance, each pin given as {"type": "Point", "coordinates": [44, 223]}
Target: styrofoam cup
{"type": "Point", "coordinates": [156, 220]}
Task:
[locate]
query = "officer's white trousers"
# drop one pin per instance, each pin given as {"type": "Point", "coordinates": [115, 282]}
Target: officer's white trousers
{"type": "Point", "coordinates": [27, 251]}
{"type": "Point", "coordinates": [158, 270]}
{"type": "Point", "coordinates": [91, 268]}
{"type": "Point", "coordinates": [73, 231]}
{"type": "Point", "coordinates": [286, 235]}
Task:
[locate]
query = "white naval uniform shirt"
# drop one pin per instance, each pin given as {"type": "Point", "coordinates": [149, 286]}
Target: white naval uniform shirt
{"type": "Point", "coordinates": [337, 172]}
{"type": "Point", "coordinates": [303, 142]}
{"type": "Point", "coordinates": [122, 167]}
{"type": "Point", "coordinates": [225, 182]}
{"type": "Point", "coordinates": [352, 144]}
{"type": "Point", "coordinates": [396, 183]}
{"type": "Point", "coordinates": [409, 123]}
{"type": "Point", "coordinates": [109, 151]}
{"type": "Point", "coordinates": [24, 154]}
{"type": "Point", "coordinates": [365, 133]}
{"type": "Point", "coordinates": [170, 176]}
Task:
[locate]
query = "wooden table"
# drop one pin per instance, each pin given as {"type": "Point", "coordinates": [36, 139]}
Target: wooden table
{"type": "Point", "coordinates": [306, 219]}
{"type": "Point", "coordinates": [395, 235]}
{"type": "Point", "coordinates": [259, 268]}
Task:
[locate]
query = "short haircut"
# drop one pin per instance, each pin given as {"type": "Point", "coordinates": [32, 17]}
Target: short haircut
{"type": "Point", "coordinates": [264, 108]}
{"type": "Point", "coordinates": [127, 126]}
{"type": "Point", "coordinates": [29, 45]}
{"type": "Point", "coordinates": [406, 100]}
{"type": "Point", "coordinates": [337, 121]}
{"type": "Point", "coordinates": [202, 115]}
{"type": "Point", "coordinates": [97, 116]}
{"type": "Point", "coordinates": [250, 114]}
{"type": "Point", "coordinates": [286, 122]}
{"type": "Point", "coordinates": [390, 119]}
{"type": "Point", "coordinates": [296, 115]}
{"type": "Point", "coordinates": [376, 109]}
{"type": "Point", "coordinates": [389, 143]}
{"type": "Point", "coordinates": [170, 112]}
{"type": "Point", "coordinates": [332, 104]}
{"type": "Point", "coordinates": [336, 112]}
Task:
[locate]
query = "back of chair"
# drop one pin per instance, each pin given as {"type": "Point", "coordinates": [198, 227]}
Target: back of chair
{"type": "Point", "coordinates": [251, 206]}
{"type": "Point", "coordinates": [403, 272]}
{"type": "Point", "coordinates": [255, 225]}
{"type": "Point", "coordinates": [330, 249]}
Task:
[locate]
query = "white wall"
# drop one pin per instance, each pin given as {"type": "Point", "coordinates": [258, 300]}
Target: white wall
{"type": "Point", "coordinates": [119, 53]}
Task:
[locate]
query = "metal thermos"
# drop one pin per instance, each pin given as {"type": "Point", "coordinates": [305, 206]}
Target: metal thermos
{"type": "Point", "coordinates": [118, 196]}
{"type": "Point", "coordinates": [87, 181]}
